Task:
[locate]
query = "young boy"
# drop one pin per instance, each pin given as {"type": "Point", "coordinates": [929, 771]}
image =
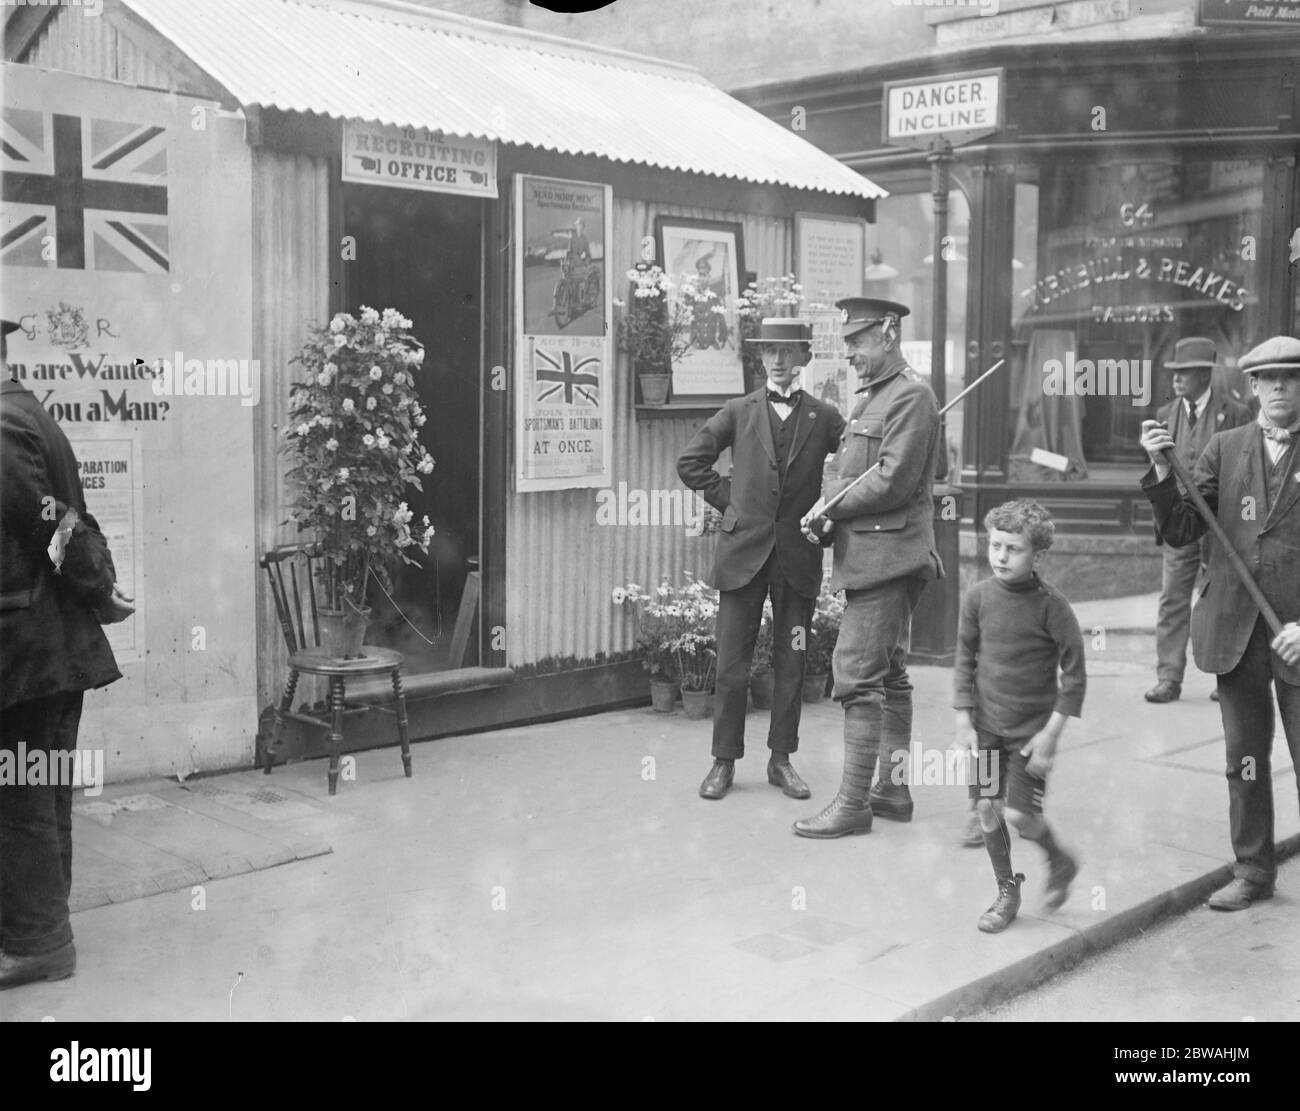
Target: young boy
{"type": "Point", "coordinates": [1016, 631]}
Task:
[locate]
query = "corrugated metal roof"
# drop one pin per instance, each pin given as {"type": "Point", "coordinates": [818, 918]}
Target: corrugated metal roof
{"type": "Point", "coordinates": [392, 63]}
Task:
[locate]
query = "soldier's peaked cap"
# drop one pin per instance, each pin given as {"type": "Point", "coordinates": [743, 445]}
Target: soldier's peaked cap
{"type": "Point", "coordinates": [1278, 353]}
{"type": "Point", "coordinates": [862, 312]}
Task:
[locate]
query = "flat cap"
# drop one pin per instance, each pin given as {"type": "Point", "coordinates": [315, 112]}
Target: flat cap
{"type": "Point", "coordinates": [1278, 353]}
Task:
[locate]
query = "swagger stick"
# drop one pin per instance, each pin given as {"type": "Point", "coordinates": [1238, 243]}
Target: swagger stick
{"type": "Point", "coordinates": [1212, 522]}
{"type": "Point", "coordinates": [803, 524]}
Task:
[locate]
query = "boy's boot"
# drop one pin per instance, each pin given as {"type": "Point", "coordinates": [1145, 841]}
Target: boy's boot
{"type": "Point", "coordinates": [1061, 870]}
{"type": "Point", "coordinates": [1007, 905]}
{"type": "Point", "coordinates": [849, 811]}
{"type": "Point", "coordinates": [890, 797]}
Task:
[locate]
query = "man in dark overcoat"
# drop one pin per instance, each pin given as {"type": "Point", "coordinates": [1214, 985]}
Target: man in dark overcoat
{"type": "Point", "coordinates": [779, 438]}
{"type": "Point", "coordinates": [1197, 411]}
{"type": "Point", "coordinates": [1250, 478]}
{"type": "Point", "coordinates": [884, 554]}
{"type": "Point", "coordinates": [51, 650]}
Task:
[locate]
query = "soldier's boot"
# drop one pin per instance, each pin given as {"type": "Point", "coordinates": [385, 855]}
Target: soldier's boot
{"type": "Point", "coordinates": [850, 810]}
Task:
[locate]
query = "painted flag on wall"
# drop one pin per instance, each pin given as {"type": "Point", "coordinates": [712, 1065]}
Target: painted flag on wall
{"type": "Point", "coordinates": [80, 193]}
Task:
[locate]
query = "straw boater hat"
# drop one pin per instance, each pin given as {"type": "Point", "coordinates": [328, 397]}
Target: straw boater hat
{"type": "Point", "coordinates": [862, 312]}
{"type": "Point", "coordinates": [1278, 353]}
{"type": "Point", "coordinates": [783, 329]}
{"type": "Point", "coordinates": [1194, 353]}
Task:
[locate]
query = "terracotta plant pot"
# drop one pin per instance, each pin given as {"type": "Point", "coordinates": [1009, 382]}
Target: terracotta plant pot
{"type": "Point", "coordinates": [697, 705]}
{"type": "Point", "coordinates": [654, 388]}
{"type": "Point", "coordinates": [814, 688]}
{"type": "Point", "coordinates": [762, 686]}
{"type": "Point", "coordinates": [342, 632]}
{"type": "Point", "coordinates": [663, 695]}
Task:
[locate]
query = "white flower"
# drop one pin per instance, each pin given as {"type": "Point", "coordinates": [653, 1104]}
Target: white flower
{"type": "Point", "coordinates": [620, 595]}
{"type": "Point", "coordinates": [408, 448]}
{"type": "Point", "coordinates": [415, 356]}
{"type": "Point", "coordinates": [331, 369]}
{"type": "Point", "coordinates": [368, 440]}
{"type": "Point", "coordinates": [383, 442]}
{"type": "Point", "coordinates": [369, 315]}
{"type": "Point", "coordinates": [348, 405]}
{"type": "Point", "coordinates": [325, 422]}
{"type": "Point", "coordinates": [322, 379]}
{"type": "Point", "coordinates": [340, 341]}
{"type": "Point", "coordinates": [343, 474]}
{"type": "Point", "coordinates": [332, 444]}
{"type": "Point", "coordinates": [420, 419]}
{"type": "Point", "coordinates": [371, 403]}
{"type": "Point", "coordinates": [371, 530]}
{"type": "Point", "coordinates": [388, 388]}
{"type": "Point", "coordinates": [376, 373]}
{"type": "Point", "coordinates": [425, 465]}
{"type": "Point", "coordinates": [303, 429]}
{"type": "Point", "coordinates": [338, 324]}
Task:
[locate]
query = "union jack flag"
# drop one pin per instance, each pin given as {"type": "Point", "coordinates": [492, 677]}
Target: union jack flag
{"type": "Point", "coordinates": [578, 381]}
{"type": "Point", "coordinates": [97, 188]}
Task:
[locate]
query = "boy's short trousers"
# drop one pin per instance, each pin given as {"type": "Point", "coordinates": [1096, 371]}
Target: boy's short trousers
{"type": "Point", "coordinates": [1022, 791]}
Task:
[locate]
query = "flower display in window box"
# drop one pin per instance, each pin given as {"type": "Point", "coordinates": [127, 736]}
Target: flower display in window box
{"type": "Point", "coordinates": [653, 330]}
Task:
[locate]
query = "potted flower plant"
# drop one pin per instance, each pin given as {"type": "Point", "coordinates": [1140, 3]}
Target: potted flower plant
{"type": "Point", "coordinates": [697, 668]}
{"type": "Point", "coordinates": [675, 627]}
{"type": "Point", "coordinates": [762, 682]}
{"type": "Point", "coordinates": [652, 332]}
{"type": "Point", "coordinates": [355, 449]}
{"type": "Point", "coordinates": [825, 631]}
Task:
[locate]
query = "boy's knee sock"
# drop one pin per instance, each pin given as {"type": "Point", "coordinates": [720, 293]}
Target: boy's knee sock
{"type": "Point", "coordinates": [998, 843]}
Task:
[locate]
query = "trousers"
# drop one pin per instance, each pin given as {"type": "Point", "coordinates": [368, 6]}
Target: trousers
{"type": "Point", "coordinates": [36, 829]}
{"type": "Point", "coordinates": [740, 612]}
{"type": "Point", "coordinates": [1246, 703]}
{"type": "Point", "coordinates": [1174, 623]}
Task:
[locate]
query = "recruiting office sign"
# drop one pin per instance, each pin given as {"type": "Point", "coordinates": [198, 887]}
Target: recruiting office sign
{"type": "Point", "coordinates": [563, 341]}
{"type": "Point", "coordinates": [417, 158]}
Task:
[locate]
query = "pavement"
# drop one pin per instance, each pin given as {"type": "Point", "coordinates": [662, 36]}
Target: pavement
{"type": "Point", "coordinates": [569, 870]}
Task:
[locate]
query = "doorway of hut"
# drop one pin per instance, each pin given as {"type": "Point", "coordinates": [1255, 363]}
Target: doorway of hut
{"type": "Point", "coordinates": [422, 254]}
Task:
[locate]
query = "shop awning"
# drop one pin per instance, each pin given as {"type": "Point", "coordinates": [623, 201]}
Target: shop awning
{"type": "Point", "coordinates": [401, 65]}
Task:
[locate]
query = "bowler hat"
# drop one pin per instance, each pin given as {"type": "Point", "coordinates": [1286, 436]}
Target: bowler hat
{"type": "Point", "coordinates": [1194, 353]}
{"type": "Point", "coordinates": [1278, 353]}
{"type": "Point", "coordinates": [862, 312]}
{"type": "Point", "coordinates": [7, 326]}
{"type": "Point", "coordinates": [782, 329]}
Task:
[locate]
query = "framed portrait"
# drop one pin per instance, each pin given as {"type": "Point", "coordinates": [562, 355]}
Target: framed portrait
{"type": "Point", "coordinates": [704, 259]}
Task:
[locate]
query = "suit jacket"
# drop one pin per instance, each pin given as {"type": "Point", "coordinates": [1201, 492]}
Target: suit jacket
{"type": "Point", "coordinates": [1221, 414]}
{"type": "Point", "coordinates": [758, 512]}
{"type": "Point", "coordinates": [885, 526]}
{"type": "Point", "coordinates": [1228, 473]}
{"type": "Point", "coordinates": [50, 642]}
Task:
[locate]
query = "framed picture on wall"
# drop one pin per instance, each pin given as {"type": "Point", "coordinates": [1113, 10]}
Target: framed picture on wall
{"type": "Point", "coordinates": [704, 259]}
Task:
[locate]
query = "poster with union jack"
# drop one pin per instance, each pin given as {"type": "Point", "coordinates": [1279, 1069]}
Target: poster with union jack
{"type": "Point", "coordinates": [83, 193]}
{"type": "Point", "coordinates": [563, 349]}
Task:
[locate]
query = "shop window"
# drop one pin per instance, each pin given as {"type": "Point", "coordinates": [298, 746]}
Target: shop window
{"type": "Point", "coordinates": [900, 267]}
{"type": "Point", "coordinates": [1114, 262]}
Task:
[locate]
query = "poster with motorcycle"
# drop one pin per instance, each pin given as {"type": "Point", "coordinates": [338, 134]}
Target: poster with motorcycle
{"type": "Point", "coordinates": [563, 355]}
{"type": "Point", "coordinates": [703, 259]}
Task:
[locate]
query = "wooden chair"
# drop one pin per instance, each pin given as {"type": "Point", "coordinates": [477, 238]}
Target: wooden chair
{"type": "Point", "coordinates": [301, 629]}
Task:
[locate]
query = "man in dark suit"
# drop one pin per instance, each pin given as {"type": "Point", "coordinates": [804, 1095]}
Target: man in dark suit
{"type": "Point", "coordinates": [51, 650]}
{"type": "Point", "coordinates": [1196, 413]}
{"type": "Point", "coordinates": [1250, 477]}
{"type": "Point", "coordinates": [779, 438]}
{"type": "Point", "coordinates": [884, 554]}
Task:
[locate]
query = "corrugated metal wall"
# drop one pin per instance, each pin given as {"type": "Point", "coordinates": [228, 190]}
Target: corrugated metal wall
{"type": "Point", "coordinates": [561, 566]}
{"type": "Point", "coordinates": [82, 44]}
{"type": "Point", "coordinates": [290, 294]}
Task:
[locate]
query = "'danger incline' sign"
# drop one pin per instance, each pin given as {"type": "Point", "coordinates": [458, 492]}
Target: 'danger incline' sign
{"type": "Point", "coordinates": [960, 108]}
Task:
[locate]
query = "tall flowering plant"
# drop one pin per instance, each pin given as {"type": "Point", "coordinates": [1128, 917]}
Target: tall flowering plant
{"type": "Point", "coordinates": [355, 448]}
{"type": "Point", "coordinates": [676, 630]}
{"type": "Point", "coordinates": [655, 329]}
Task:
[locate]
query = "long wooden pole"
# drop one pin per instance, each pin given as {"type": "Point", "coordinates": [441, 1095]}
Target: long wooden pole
{"type": "Point", "coordinates": [1212, 522]}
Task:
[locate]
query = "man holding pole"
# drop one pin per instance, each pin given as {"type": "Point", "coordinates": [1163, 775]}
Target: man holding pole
{"type": "Point", "coordinates": [1244, 627]}
{"type": "Point", "coordinates": [884, 554]}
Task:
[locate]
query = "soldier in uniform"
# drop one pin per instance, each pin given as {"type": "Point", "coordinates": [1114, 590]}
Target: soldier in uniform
{"type": "Point", "coordinates": [884, 554]}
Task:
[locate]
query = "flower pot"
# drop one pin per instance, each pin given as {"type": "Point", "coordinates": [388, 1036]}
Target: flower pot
{"type": "Point", "coordinates": [654, 388]}
{"type": "Point", "coordinates": [663, 695]}
{"type": "Point", "coordinates": [342, 631]}
{"type": "Point", "coordinates": [814, 687]}
{"type": "Point", "coordinates": [697, 704]}
{"type": "Point", "coordinates": [762, 686]}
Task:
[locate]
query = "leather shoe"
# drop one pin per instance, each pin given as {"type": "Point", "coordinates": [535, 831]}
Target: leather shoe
{"type": "Point", "coordinates": [891, 800]}
{"type": "Point", "coordinates": [843, 816]}
{"type": "Point", "coordinates": [781, 774]}
{"type": "Point", "coordinates": [719, 779]}
{"type": "Point", "coordinates": [58, 964]}
{"type": "Point", "coordinates": [1239, 894]}
{"type": "Point", "coordinates": [1164, 691]}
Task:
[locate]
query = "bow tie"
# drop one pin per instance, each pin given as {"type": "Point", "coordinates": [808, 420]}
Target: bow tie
{"type": "Point", "coordinates": [779, 399]}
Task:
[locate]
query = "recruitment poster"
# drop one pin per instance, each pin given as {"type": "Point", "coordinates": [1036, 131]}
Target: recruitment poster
{"type": "Point", "coordinates": [830, 258]}
{"type": "Point", "coordinates": [563, 344]}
